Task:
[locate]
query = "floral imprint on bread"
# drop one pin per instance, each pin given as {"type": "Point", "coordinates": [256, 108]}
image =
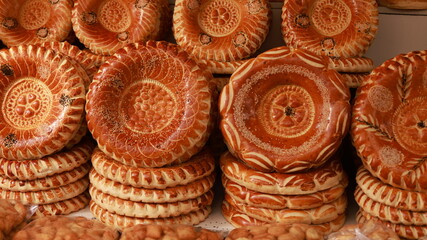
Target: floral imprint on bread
{"type": "Point", "coordinates": [410, 125]}
{"type": "Point", "coordinates": [9, 23]}
{"type": "Point", "coordinates": [219, 18]}
{"type": "Point", "coordinates": [380, 98]}
{"type": "Point", "coordinates": [42, 32]}
{"type": "Point", "coordinates": [240, 39]}
{"type": "Point", "coordinates": [254, 6]}
{"type": "Point", "coordinates": [89, 18]}
{"type": "Point", "coordinates": [391, 156]}
{"type": "Point", "coordinates": [34, 14]}
{"type": "Point", "coordinates": [27, 103]}
{"type": "Point", "coordinates": [148, 106]}
{"type": "Point", "coordinates": [302, 21]}
{"type": "Point", "coordinates": [114, 16]}
{"type": "Point", "coordinates": [205, 39]}
{"type": "Point", "coordinates": [287, 111]}
{"type": "Point", "coordinates": [140, 4]}
{"type": "Point", "coordinates": [330, 17]}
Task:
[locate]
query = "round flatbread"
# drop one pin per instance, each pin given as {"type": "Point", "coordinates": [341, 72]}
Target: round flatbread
{"type": "Point", "coordinates": [172, 194]}
{"type": "Point", "coordinates": [34, 21]}
{"type": "Point", "coordinates": [389, 122]}
{"type": "Point", "coordinates": [64, 207]}
{"type": "Point", "coordinates": [239, 219]}
{"type": "Point", "coordinates": [122, 222]}
{"type": "Point", "coordinates": [50, 165]}
{"type": "Point", "coordinates": [45, 183]}
{"type": "Point", "coordinates": [300, 183]}
{"type": "Point", "coordinates": [284, 111]}
{"type": "Point", "coordinates": [336, 28]}
{"type": "Point", "coordinates": [62, 227]}
{"type": "Point", "coordinates": [149, 210]}
{"type": "Point", "coordinates": [252, 198]}
{"type": "Point", "coordinates": [199, 166]}
{"type": "Point", "coordinates": [389, 195]}
{"type": "Point", "coordinates": [42, 97]}
{"type": "Point", "coordinates": [404, 231]}
{"type": "Point", "coordinates": [319, 215]}
{"type": "Point", "coordinates": [150, 105]}
{"type": "Point", "coordinates": [108, 25]}
{"type": "Point", "coordinates": [48, 196]}
{"type": "Point", "coordinates": [221, 30]}
{"type": "Point", "coordinates": [388, 213]}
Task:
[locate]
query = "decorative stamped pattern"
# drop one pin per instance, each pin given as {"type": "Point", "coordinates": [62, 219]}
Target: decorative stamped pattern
{"type": "Point", "coordinates": [389, 122]}
{"type": "Point", "coordinates": [337, 28]}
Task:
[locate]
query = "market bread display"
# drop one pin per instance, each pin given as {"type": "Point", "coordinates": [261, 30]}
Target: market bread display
{"type": "Point", "coordinates": [34, 21]}
{"type": "Point", "coordinates": [221, 33]}
{"type": "Point", "coordinates": [388, 131]}
{"type": "Point", "coordinates": [108, 25]}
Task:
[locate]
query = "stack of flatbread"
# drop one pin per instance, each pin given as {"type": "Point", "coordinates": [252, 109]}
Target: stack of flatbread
{"type": "Point", "coordinates": [44, 157]}
{"type": "Point", "coordinates": [150, 110]}
{"type": "Point", "coordinates": [283, 116]}
{"type": "Point", "coordinates": [389, 133]}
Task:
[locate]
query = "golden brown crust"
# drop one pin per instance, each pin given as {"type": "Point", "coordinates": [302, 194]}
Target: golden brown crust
{"type": "Point", "coordinates": [172, 194]}
{"type": "Point", "coordinates": [239, 219]}
{"type": "Point", "coordinates": [216, 67]}
{"type": "Point", "coordinates": [45, 183]}
{"type": "Point", "coordinates": [149, 210]}
{"type": "Point", "coordinates": [64, 207]}
{"type": "Point", "coordinates": [49, 165]}
{"type": "Point", "coordinates": [387, 213]}
{"type": "Point", "coordinates": [389, 195]}
{"type": "Point", "coordinates": [30, 22]}
{"type": "Point", "coordinates": [221, 30]}
{"type": "Point", "coordinates": [389, 122]}
{"type": "Point", "coordinates": [284, 111]}
{"type": "Point", "coordinates": [42, 102]}
{"type": "Point", "coordinates": [61, 227]}
{"type": "Point", "coordinates": [201, 165]}
{"type": "Point", "coordinates": [48, 196]}
{"type": "Point", "coordinates": [319, 215]}
{"type": "Point", "coordinates": [252, 198]}
{"type": "Point", "coordinates": [351, 64]}
{"type": "Point", "coordinates": [353, 80]}
{"type": "Point", "coordinates": [122, 222]}
{"type": "Point", "coordinates": [158, 80]}
{"type": "Point", "coordinates": [369, 230]}
{"type": "Point", "coordinates": [12, 214]}
{"type": "Point", "coordinates": [308, 182]}
{"type": "Point", "coordinates": [106, 26]}
{"type": "Point", "coordinates": [348, 32]}
{"type": "Point", "coordinates": [168, 231]}
{"type": "Point", "coordinates": [404, 231]}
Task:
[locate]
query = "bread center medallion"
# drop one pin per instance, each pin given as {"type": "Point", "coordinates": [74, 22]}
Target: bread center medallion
{"type": "Point", "coordinates": [219, 18]}
{"type": "Point", "coordinates": [34, 14]}
{"type": "Point", "coordinates": [27, 103]}
{"type": "Point", "coordinates": [409, 125]}
{"type": "Point", "coordinates": [330, 17]}
{"type": "Point", "coordinates": [287, 111]}
{"type": "Point", "coordinates": [148, 106]}
{"type": "Point", "coordinates": [114, 16]}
